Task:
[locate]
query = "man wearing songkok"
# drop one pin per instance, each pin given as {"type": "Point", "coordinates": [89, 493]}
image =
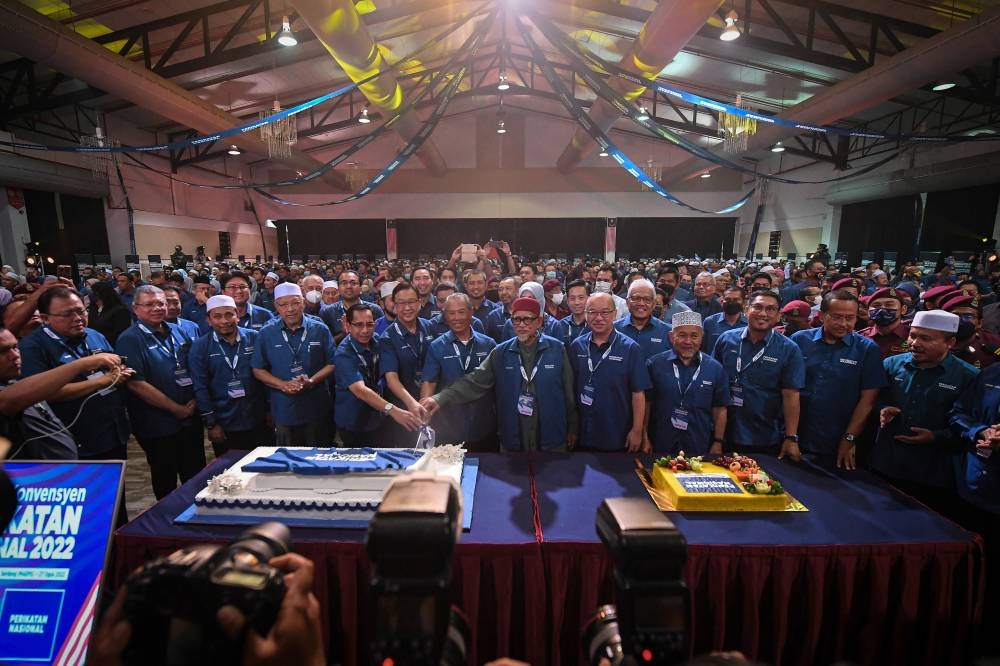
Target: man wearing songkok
{"type": "Point", "coordinates": [610, 375]}
{"type": "Point", "coordinates": [350, 294]}
{"type": "Point", "coordinates": [976, 347]}
{"type": "Point", "coordinates": [766, 373]}
{"type": "Point", "coordinates": [451, 356]}
{"type": "Point", "coordinates": [293, 358]}
{"type": "Point", "coordinates": [232, 403]}
{"type": "Point", "coordinates": [686, 410]}
{"type": "Point", "coordinates": [532, 383]}
{"type": "Point", "coordinates": [161, 403]}
{"type": "Point", "coordinates": [731, 317]}
{"type": "Point", "coordinates": [915, 449]}
{"type": "Point", "coordinates": [887, 330]}
{"type": "Point", "coordinates": [651, 334]}
{"type": "Point", "coordinates": [403, 350]}
{"type": "Point", "coordinates": [575, 325]}
{"type": "Point", "coordinates": [843, 377]}
{"type": "Point", "coordinates": [360, 406]}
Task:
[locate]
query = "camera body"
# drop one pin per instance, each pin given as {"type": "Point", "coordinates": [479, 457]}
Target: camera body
{"type": "Point", "coordinates": [172, 601]}
{"type": "Point", "coordinates": [410, 543]}
{"type": "Point", "coordinates": [650, 623]}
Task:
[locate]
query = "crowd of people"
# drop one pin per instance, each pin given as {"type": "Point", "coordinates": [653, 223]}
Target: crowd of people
{"type": "Point", "coordinates": [854, 367]}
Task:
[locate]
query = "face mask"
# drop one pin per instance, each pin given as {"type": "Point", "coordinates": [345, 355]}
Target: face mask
{"type": "Point", "coordinates": [667, 288]}
{"type": "Point", "coordinates": [816, 299]}
{"type": "Point", "coordinates": [314, 297]}
{"type": "Point", "coordinates": [602, 287]}
{"type": "Point", "coordinates": [966, 329]}
{"type": "Point", "coordinates": [557, 298]}
{"type": "Point", "coordinates": [657, 312]}
{"type": "Point", "coordinates": [550, 275]}
{"type": "Point", "coordinates": [493, 295]}
{"type": "Point", "coordinates": [882, 316]}
{"type": "Point", "coordinates": [731, 308]}
{"type": "Point", "coordinates": [407, 276]}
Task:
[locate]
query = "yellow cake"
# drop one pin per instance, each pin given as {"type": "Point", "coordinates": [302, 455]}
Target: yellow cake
{"type": "Point", "coordinates": [712, 489]}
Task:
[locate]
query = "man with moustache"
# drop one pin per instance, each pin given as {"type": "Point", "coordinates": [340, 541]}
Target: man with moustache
{"type": "Point", "coordinates": [349, 283]}
{"type": "Point", "coordinates": [475, 283]}
{"type": "Point", "coordinates": [172, 297]}
{"type": "Point", "coordinates": [507, 292]}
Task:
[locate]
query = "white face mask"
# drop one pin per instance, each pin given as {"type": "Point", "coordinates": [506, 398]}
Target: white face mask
{"type": "Point", "coordinates": [314, 297]}
{"type": "Point", "coordinates": [817, 299]}
{"type": "Point", "coordinates": [557, 298]}
{"type": "Point", "coordinates": [602, 287]}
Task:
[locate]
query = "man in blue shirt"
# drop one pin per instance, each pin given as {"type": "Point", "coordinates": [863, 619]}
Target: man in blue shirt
{"type": "Point", "coordinates": [765, 373]}
{"type": "Point", "coordinates": [474, 283]}
{"type": "Point", "coordinates": [350, 294]}
{"type": "Point", "coordinates": [731, 317]}
{"type": "Point", "coordinates": [161, 401]}
{"type": "Point", "coordinates": [570, 328]}
{"type": "Point", "coordinates": [202, 290]}
{"type": "Point", "coordinates": [172, 296]}
{"type": "Point", "coordinates": [388, 307]}
{"type": "Point", "coordinates": [403, 349]}
{"type": "Point", "coordinates": [237, 286]}
{"type": "Point", "coordinates": [843, 377]}
{"type": "Point", "coordinates": [687, 404]}
{"type": "Point", "coordinates": [423, 280]}
{"type": "Point", "coordinates": [293, 357]}
{"type": "Point", "coordinates": [450, 357]}
{"type": "Point", "coordinates": [610, 381]}
{"type": "Point", "coordinates": [916, 449]}
{"type": "Point", "coordinates": [498, 317]}
{"type": "Point", "coordinates": [232, 403]}
{"type": "Point", "coordinates": [704, 302]}
{"type": "Point", "coordinates": [360, 405]}
{"type": "Point", "coordinates": [537, 292]}
{"type": "Point", "coordinates": [651, 334]}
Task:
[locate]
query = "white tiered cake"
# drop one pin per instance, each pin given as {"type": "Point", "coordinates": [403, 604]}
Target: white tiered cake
{"type": "Point", "coordinates": [318, 484]}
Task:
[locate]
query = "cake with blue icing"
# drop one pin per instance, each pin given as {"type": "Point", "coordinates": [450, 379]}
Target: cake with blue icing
{"type": "Point", "coordinates": [319, 483]}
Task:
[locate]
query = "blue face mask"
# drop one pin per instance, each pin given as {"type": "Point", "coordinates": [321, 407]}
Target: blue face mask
{"type": "Point", "coordinates": [882, 316]}
{"type": "Point", "coordinates": [968, 316]}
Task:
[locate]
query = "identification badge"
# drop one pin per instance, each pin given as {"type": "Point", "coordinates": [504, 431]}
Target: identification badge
{"type": "Point", "coordinates": [181, 377]}
{"type": "Point", "coordinates": [97, 374]}
{"type": "Point", "coordinates": [737, 395]}
{"type": "Point", "coordinates": [679, 418]}
{"type": "Point", "coordinates": [235, 389]}
{"type": "Point", "coordinates": [526, 404]}
{"type": "Point", "coordinates": [587, 395]}
{"type": "Point", "coordinates": [297, 370]}
{"type": "Point", "coordinates": [418, 377]}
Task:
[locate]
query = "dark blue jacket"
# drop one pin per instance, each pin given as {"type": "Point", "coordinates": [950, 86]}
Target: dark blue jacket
{"type": "Point", "coordinates": [977, 408]}
{"type": "Point", "coordinates": [548, 389]}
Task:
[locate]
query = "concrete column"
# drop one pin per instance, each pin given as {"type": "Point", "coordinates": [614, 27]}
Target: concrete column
{"type": "Point", "coordinates": [14, 231]}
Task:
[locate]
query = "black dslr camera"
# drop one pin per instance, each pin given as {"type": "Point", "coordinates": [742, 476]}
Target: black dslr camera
{"type": "Point", "coordinates": [410, 541]}
{"type": "Point", "coordinates": [650, 625]}
{"type": "Point", "coordinates": [172, 601]}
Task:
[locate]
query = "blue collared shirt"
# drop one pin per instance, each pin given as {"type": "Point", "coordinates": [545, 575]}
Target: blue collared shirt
{"type": "Point", "coordinates": [448, 360]}
{"type": "Point", "coordinates": [836, 374]}
{"type": "Point", "coordinates": [194, 311]}
{"type": "Point", "coordinates": [159, 359]}
{"type": "Point", "coordinates": [714, 326]}
{"type": "Point", "coordinates": [103, 424]}
{"type": "Point", "coordinates": [333, 315]}
{"type": "Point", "coordinates": [549, 327]}
{"type": "Point", "coordinates": [566, 330]}
{"type": "Point", "coordinates": [495, 322]}
{"type": "Point", "coordinates": [760, 421]}
{"type": "Point", "coordinates": [483, 311]}
{"type": "Point", "coordinates": [404, 352]}
{"type": "Point", "coordinates": [188, 328]}
{"type": "Point", "coordinates": [694, 390]}
{"type": "Point", "coordinates": [210, 363]}
{"type": "Point", "coordinates": [976, 409]}
{"type": "Point", "coordinates": [357, 363]}
{"type": "Point", "coordinates": [619, 370]}
{"type": "Point", "coordinates": [310, 346]}
{"type": "Point", "coordinates": [439, 326]}
{"type": "Point", "coordinates": [653, 339]}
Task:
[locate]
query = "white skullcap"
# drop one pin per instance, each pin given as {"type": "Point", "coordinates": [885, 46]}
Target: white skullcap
{"type": "Point", "coordinates": [286, 289]}
{"type": "Point", "coordinates": [720, 273]}
{"type": "Point", "coordinates": [686, 318]}
{"type": "Point", "coordinates": [937, 320]}
{"type": "Point", "coordinates": [385, 289]}
{"type": "Point", "coordinates": [331, 284]}
{"type": "Point", "coordinates": [220, 301]}
{"type": "Point", "coordinates": [878, 273]}
{"type": "Point", "coordinates": [273, 276]}
{"type": "Point", "coordinates": [536, 290]}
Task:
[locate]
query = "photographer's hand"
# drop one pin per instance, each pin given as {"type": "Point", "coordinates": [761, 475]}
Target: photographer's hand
{"type": "Point", "coordinates": [296, 637]}
{"type": "Point", "coordinates": [112, 636]}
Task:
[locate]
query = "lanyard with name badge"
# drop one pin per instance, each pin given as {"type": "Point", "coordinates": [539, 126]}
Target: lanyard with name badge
{"type": "Point", "coordinates": [297, 367]}
{"type": "Point", "coordinates": [526, 400]}
{"type": "Point", "coordinates": [418, 353]}
{"type": "Point", "coordinates": [370, 370]}
{"type": "Point", "coordinates": [679, 417]}
{"type": "Point", "coordinates": [93, 374]}
{"type": "Point", "coordinates": [587, 394]}
{"type": "Point", "coordinates": [458, 353]}
{"type": "Point", "coordinates": [180, 374]}
{"type": "Point", "coordinates": [735, 389]}
{"type": "Point", "coordinates": [234, 387]}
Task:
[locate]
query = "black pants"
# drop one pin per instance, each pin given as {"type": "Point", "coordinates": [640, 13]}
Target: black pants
{"type": "Point", "coordinates": [180, 455]}
{"type": "Point", "coordinates": [117, 453]}
{"type": "Point", "coordinates": [245, 440]}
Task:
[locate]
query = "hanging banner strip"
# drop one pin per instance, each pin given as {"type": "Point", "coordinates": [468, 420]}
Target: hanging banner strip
{"type": "Point", "coordinates": [472, 44]}
{"type": "Point", "coordinates": [444, 71]}
{"type": "Point", "coordinates": [562, 42]}
{"type": "Point", "coordinates": [722, 107]}
{"type": "Point", "coordinates": [584, 120]}
{"type": "Point", "coordinates": [255, 124]}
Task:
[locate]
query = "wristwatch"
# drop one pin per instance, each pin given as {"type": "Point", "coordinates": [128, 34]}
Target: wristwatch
{"type": "Point", "coordinates": [794, 438]}
{"type": "Point", "coordinates": [848, 437]}
{"type": "Point", "coordinates": [388, 407]}
{"type": "Point", "coordinates": [718, 440]}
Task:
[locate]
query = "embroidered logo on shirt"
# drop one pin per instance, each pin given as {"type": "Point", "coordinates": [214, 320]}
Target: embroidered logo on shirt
{"type": "Point", "coordinates": [706, 382]}
{"type": "Point", "coordinates": [656, 339]}
{"type": "Point", "coordinates": [549, 366]}
{"type": "Point", "coordinates": [614, 358]}
{"type": "Point", "coordinates": [770, 359]}
{"type": "Point", "coordinates": [947, 386]}
{"type": "Point", "coordinates": [848, 361]}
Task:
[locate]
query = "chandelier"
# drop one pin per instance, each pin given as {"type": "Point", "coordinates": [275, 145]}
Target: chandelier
{"type": "Point", "coordinates": [98, 161]}
{"type": "Point", "coordinates": [736, 129]}
{"type": "Point", "coordinates": [279, 134]}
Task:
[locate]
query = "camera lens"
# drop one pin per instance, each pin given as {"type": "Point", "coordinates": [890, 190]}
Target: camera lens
{"type": "Point", "coordinates": [601, 639]}
{"type": "Point", "coordinates": [456, 641]}
{"type": "Point", "coordinates": [263, 541]}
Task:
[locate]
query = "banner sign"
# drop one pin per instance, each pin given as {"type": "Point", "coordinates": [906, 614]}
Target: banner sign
{"type": "Point", "coordinates": [52, 557]}
{"type": "Point", "coordinates": [131, 262]}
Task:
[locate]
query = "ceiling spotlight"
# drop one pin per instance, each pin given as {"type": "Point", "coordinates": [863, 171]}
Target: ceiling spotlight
{"type": "Point", "coordinates": [502, 84]}
{"type": "Point", "coordinates": [363, 116]}
{"type": "Point", "coordinates": [604, 152]}
{"type": "Point", "coordinates": [731, 32]}
{"type": "Point", "coordinates": [643, 113]}
{"type": "Point", "coordinates": [501, 129]}
{"type": "Point", "coordinates": [50, 260]}
{"type": "Point", "coordinates": [941, 86]}
{"type": "Point", "coordinates": [707, 174]}
{"type": "Point", "coordinates": [234, 150]}
{"type": "Point", "coordinates": [777, 148]}
{"type": "Point", "coordinates": [31, 260]}
{"type": "Point", "coordinates": [285, 37]}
